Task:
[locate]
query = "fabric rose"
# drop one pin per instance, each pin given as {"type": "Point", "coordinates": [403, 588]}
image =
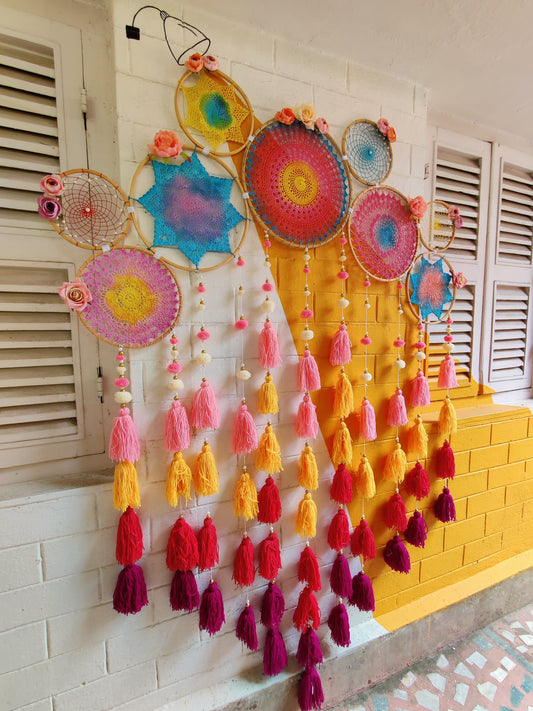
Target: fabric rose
{"type": "Point", "coordinates": [285, 116]}
{"type": "Point", "coordinates": [166, 144]}
{"type": "Point", "coordinates": [75, 294]}
{"type": "Point", "coordinates": [383, 126]}
{"type": "Point", "coordinates": [391, 134]}
{"type": "Point", "coordinates": [52, 185]}
{"type": "Point", "coordinates": [458, 222]}
{"type": "Point", "coordinates": [211, 63]}
{"type": "Point", "coordinates": [49, 207]}
{"type": "Point", "coordinates": [418, 207]}
{"type": "Point", "coordinates": [306, 114]}
{"type": "Point", "coordinates": [459, 280]}
{"type": "Point", "coordinates": [322, 125]}
{"type": "Point", "coordinates": [195, 63]}
{"type": "Point", "coordinates": [453, 212]}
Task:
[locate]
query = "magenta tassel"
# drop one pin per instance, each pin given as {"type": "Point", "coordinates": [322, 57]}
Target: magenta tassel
{"type": "Point", "coordinates": [309, 653]}
{"type": "Point", "coordinates": [246, 628]}
{"type": "Point", "coordinates": [310, 694]}
{"type": "Point", "coordinates": [177, 430]}
{"type": "Point", "coordinates": [272, 607]}
{"type": "Point", "coordinates": [130, 594]}
{"type": "Point", "coordinates": [396, 411]}
{"type": "Point", "coordinates": [447, 375]}
{"type": "Point", "coordinates": [368, 421]}
{"type": "Point", "coordinates": [417, 482]}
{"type": "Point", "coordinates": [269, 356]}
{"type": "Point", "coordinates": [275, 654]}
{"type": "Point", "coordinates": [362, 593]}
{"type": "Point", "coordinates": [306, 419]}
{"type": "Point", "coordinates": [212, 614]}
{"type": "Point", "coordinates": [340, 351]}
{"type": "Point", "coordinates": [123, 442]}
{"type": "Point", "coordinates": [339, 626]}
{"type": "Point", "coordinates": [308, 375]}
{"type": "Point", "coordinates": [204, 410]}
{"type": "Point", "coordinates": [397, 556]}
{"type": "Point", "coordinates": [396, 513]}
{"type": "Point", "coordinates": [419, 395]}
{"type": "Point", "coordinates": [244, 438]}
{"type": "Point", "coordinates": [444, 507]}
{"type": "Point", "coordinates": [417, 530]}
{"type": "Point", "coordinates": [184, 593]}
{"type": "Point", "coordinates": [341, 578]}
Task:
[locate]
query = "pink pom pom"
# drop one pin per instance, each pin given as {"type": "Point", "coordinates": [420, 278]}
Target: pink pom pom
{"type": "Point", "coordinates": [122, 383]}
{"type": "Point", "coordinates": [399, 343]}
{"type": "Point", "coordinates": [244, 437]}
{"type": "Point", "coordinates": [201, 288]}
{"type": "Point", "coordinates": [419, 394]}
{"type": "Point", "coordinates": [123, 442]}
{"type": "Point", "coordinates": [447, 374]}
{"type": "Point", "coordinates": [366, 340]}
{"type": "Point", "coordinates": [366, 283]}
{"type": "Point", "coordinates": [368, 422]}
{"type": "Point", "coordinates": [177, 431]}
{"type": "Point", "coordinates": [306, 419]}
{"type": "Point", "coordinates": [306, 313]}
{"type": "Point", "coordinates": [203, 335]}
{"type": "Point", "coordinates": [267, 286]}
{"type": "Point", "coordinates": [121, 357]}
{"type": "Point", "coordinates": [307, 270]}
{"type": "Point", "coordinates": [240, 262]}
{"type": "Point", "coordinates": [174, 368]}
{"type": "Point", "coordinates": [340, 351]}
{"type": "Point", "coordinates": [269, 356]}
{"type": "Point", "coordinates": [204, 410]}
{"type": "Point", "coordinates": [342, 275]}
{"type": "Point", "coordinates": [173, 340]}
{"type": "Point", "coordinates": [343, 240]}
{"type": "Point", "coordinates": [241, 324]}
{"type": "Point", "coordinates": [396, 411]}
{"type": "Point", "coordinates": [267, 243]}
{"type": "Point", "coordinates": [308, 375]}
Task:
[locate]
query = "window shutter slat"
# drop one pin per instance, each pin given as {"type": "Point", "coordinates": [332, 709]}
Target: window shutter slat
{"type": "Point", "coordinates": [515, 216]}
{"type": "Point", "coordinates": [509, 331]}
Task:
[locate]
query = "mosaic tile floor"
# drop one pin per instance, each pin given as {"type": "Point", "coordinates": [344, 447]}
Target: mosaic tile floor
{"type": "Point", "coordinates": [491, 670]}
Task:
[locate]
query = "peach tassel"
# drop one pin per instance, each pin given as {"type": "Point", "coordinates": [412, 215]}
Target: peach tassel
{"type": "Point", "coordinates": [395, 464]}
{"type": "Point", "coordinates": [417, 439]}
{"type": "Point", "coordinates": [308, 469]}
{"type": "Point", "coordinates": [342, 446]}
{"type": "Point", "coordinates": [306, 517]}
{"type": "Point", "coordinates": [178, 480]}
{"type": "Point", "coordinates": [343, 403]}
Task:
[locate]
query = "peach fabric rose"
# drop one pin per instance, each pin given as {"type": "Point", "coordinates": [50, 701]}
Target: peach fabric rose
{"type": "Point", "coordinates": [285, 116]}
{"type": "Point", "coordinates": [75, 294]}
{"type": "Point", "coordinates": [211, 63]}
{"type": "Point", "coordinates": [306, 114]}
{"type": "Point", "coordinates": [391, 134]}
{"type": "Point", "coordinates": [454, 212]}
{"type": "Point", "coordinates": [166, 144]}
{"type": "Point", "coordinates": [195, 63]}
{"type": "Point", "coordinates": [52, 185]}
{"type": "Point", "coordinates": [322, 125]}
{"type": "Point", "coordinates": [418, 207]}
{"type": "Point", "coordinates": [383, 126]}
{"type": "Point", "coordinates": [459, 280]}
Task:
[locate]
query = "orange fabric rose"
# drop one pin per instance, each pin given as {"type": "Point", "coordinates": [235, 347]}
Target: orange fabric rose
{"type": "Point", "coordinates": [195, 63]}
{"type": "Point", "coordinates": [306, 114]}
{"type": "Point", "coordinates": [391, 134]}
{"type": "Point", "coordinates": [285, 116]}
{"type": "Point", "coordinates": [75, 294]}
{"type": "Point", "coordinates": [166, 144]}
{"type": "Point", "coordinates": [418, 207]}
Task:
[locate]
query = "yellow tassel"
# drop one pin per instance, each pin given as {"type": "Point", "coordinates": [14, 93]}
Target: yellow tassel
{"type": "Point", "coordinates": [205, 476]}
{"type": "Point", "coordinates": [343, 401]}
{"type": "Point", "coordinates": [267, 456]}
{"type": "Point", "coordinates": [447, 417]}
{"type": "Point", "coordinates": [417, 439]}
{"type": "Point", "coordinates": [245, 500]}
{"type": "Point", "coordinates": [307, 469]}
{"type": "Point", "coordinates": [395, 464]}
{"type": "Point", "coordinates": [365, 484]}
{"type": "Point", "coordinates": [342, 446]}
{"type": "Point", "coordinates": [178, 480]}
{"type": "Point", "coordinates": [268, 397]}
{"type": "Point", "coordinates": [306, 517]}
{"type": "Point", "coordinates": [126, 487]}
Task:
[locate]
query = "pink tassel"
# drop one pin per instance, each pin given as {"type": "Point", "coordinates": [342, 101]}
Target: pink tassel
{"type": "Point", "coordinates": [417, 482]}
{"type": "Point", "coordinates": [244, 439]}
{"type": "Point", "coordinates": [309, 653]}
{"type": "Point", "coordinates": [342, 488]}
{"type": "Point", "coordinates": [130, 591]}
{"type": "Point", "coordinates": [397, 556]}
{"type": "Point", "coordinates": [272, 607]}
{"type": "Point", "coordinates": [269, 356]}
{"type": "Point", "coordinates": [340, 351]}
{"type": "Point", "coordinates": [204, 411]}
{"type": "Point", "coordinates": [246, 629]}
{"type": "Point", "coordinates": [444, 507]}
{"type": "Point", "coordinates": [362, 593]}
{"type": "Point", "coordinates": [339, 626]}
{"type": "Point", "coordinates": [310, 693]}
{"type": "Point", "coordinates": [177, 431]}
{"type": "Point", "coordinates": [419, 395]}
{"type": "Point", "coordinates": [417, 530]}
{"type": "Point", "coordinates": [308, 569]}
{"type": "Point", "coordinates": [396, 513]}
{"type": "Point", "coordinates": [212, 615]}
{"type": "Point", "coordinates": [396, 411]}
{"type": "Point", "coordinates": [306, 419]}
{"type": "Point", "coordinates": [308, 375]}
{"type": "Point", "coordinates": [184, 593]}
{"type": "Point", "coordinates": [339, 531]}
{"type": "Point", "coordinates": [368, 422]}
{"type": "Point", "coordinates": [362, 541]}
{"type": "Point", "coordinates": [447, 374]}
{"type": "Point", "coordinates": [123, 442]}
{"type": "Point", "coordinates": [341, 578]}
{"type": "Point", "coordinates": [445, 464]}
{"type": "Point", "coordinates": [275, 654]}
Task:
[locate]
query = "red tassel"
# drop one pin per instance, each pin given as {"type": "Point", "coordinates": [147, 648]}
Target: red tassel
{"type": "Point", "coordinates": [397, 556]}
{"type": "Point", "coordinates": [340, 351]}
{"type": "Point", "coordinates": [368, 421]}
{"type": "Point", "coordinates": [243, 563]}
{"type": "Point", "coordinates": [184, 593]}
{"type": "Point", "coordinates": [310, 693]}
{"type": "Point", "coordinates": [417, 482]}
{"type": "Point", "coordinates": [129, 538]}
{"type": "Point", "coordinates": [444, 507]}
{"type": "Point", "coordinates": [362, 593]}
{"type": "Point", "coordinates": [123, 442]}
{"type": "Point", "coordinates": [269, 502]}
{"type": "Point", "coordinates": [339, 531]}
{"type": "Point", "coordinates": [212, 615]}
{"type": "Point", "coordinates": [339, 626]}
{"type": "Point", "coordinates": [308, 569]}
{"type": "Point", "coordinates": [246, 629]}
{"type": "Point", "coordinates": [306, 419]}
{"type": "Point", "coordinates": [275, 654]}
{"type": "Point", "coordinates": [244, 439]}
{"type": "Point", "coordinates": [269, 356]}
{"type": "Point", "coordinates": [419, 395]}
{"type": "Point", "coordinates": [308, 375]}
{"type": "Point", "coordinates": [207, 545]}
{"type": "Point", "coordinates": [447, 374]}
{"type": "Point", "coordinates": [272, 607]}
{"type": "Point", "coordinates": [417, 530]}
{"type": "Point", "coordinates": [396, 513]}
{"type": "Point", "coordinates": [269, 557]}
{"type": "Point", "coordinates": [130, 594]}
{"type": "Point", "coordinates": [396, 410]}
{"type": "Point", "coordinates": [307, 611]}
{"type": "Point", "coordinates": [204, 410]}
{"type": "Point", "coordinates": [182, 547]}
{"type": "Point", "coordinates": [341, 578]}
{"type": "Point", "coordinates": [177, 430]}
{"type": "Point", "coordinates": [362, 541]}
{"type": "Point", "coordinates": [342, 487]}
{"type": "Point", "coordinates": [445, 464]}
{"type": "Point", "coordinates": [309, 653]}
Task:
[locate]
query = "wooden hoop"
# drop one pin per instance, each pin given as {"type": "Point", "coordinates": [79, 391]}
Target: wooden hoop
{"type": "Point", "coordinates": [408, 285]}
{"type": "Point", "coordinates": [427, 245]}
{"type": "Point", "coordinates": [352, 171]}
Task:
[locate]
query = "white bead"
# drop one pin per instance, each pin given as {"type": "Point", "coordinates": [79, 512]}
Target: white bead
{"type": "Point", "coordinates": [243, 374]}
{"type": "Point", "coordinates": [307, 258]}
{"type": "Point", "coordinates": [343, 302]}
{"type": "Point", "coordinates": [342, 258]}
{"type": "Point", "coordinates": [123, 397]}
{"type": "Point", "coordinates": [241, 291]}
{"type": "Point", "coordinates": [367, 304]}
{"type": "Point", "coordinates": [399, 363]}
{"type": "Point", "coordinates": [268, 265]}
{"type": "Point", "coordinates": [121, 369]}
{"type": "Point", "coordinates": [307, 292]}
{"type": "Point", "coordinates": [448, 347]}
{"type": "Point", "coordinates": [400, 310]}
{"type": "Point", "coordinates": [201, 306]}
{"type": "Point", "coordinates": [268, 306]}
{"type": "Point", "coordinates": [203, 358]}
{"type": "Point", "coordinates": [307, 334]}
{"type": "Point", "coordinates": [366, 376]}
{"type": "Point", "coordinates": [420, 355]}
{"type": "Point", "coordinates": [176, 384]}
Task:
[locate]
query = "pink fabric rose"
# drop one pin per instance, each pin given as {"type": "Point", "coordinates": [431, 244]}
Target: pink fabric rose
{"type": "Point", "coordinates": [75, 294]}
{"type": "Point", "coordinates": [48, 207]}
{"type": "Point", "coordinates": [383, 126]}
{"type": "Point", "coordinates": [458, 222]}
{"type": "Point", "coordinates": [306, 114]}
{"type": "Point", "coordinates": [195, 63]}
{"type": "Point", "coordinates": [453, 212]}
{"type": "Point", "coordinates": [52, 185]}
{"type": "Point", "coordinates": [211, 63]}
{"type": "Point", "coordinates": [459, 280]}
{"type": "Point", "coordinates": [322, 125]}
{"type": "Point", "coordinates": [418, 207]}
{"type": "Point", "coordinates": [166, 144]}
{"type": "Point", "coordinates": [391, 134]}
{"type": "Point", "coordinates": [285, 116]}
